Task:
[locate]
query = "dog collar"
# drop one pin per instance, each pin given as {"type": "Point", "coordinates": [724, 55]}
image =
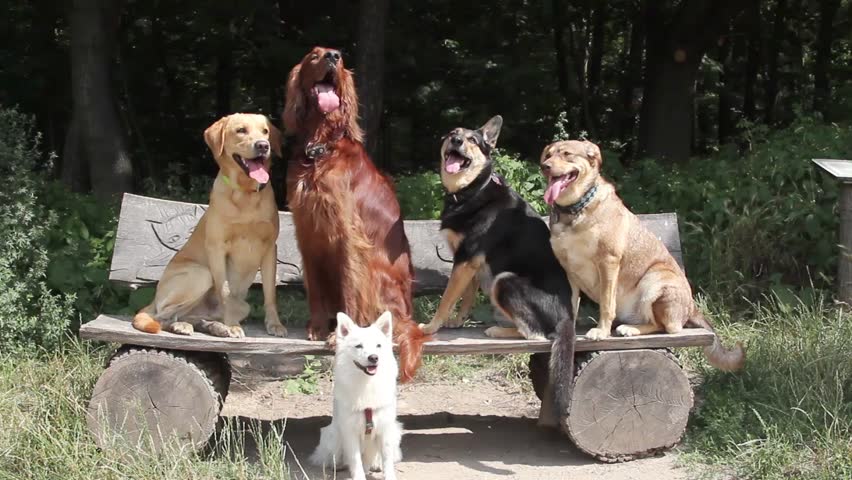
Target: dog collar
{"type": "Point", "coordinates": [368, 418]}
{"type": "Point", "coordinates": [475, 187]}
{"type": "Point", "coordinates": [576, 208]}
{"type": "Point", "coordinates": [227, 181]}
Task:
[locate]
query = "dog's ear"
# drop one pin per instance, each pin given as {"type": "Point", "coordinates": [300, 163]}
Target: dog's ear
{"type": "Point", "coordinates": [214, 136]}
{"type": "Point", "coordinates": [593, 153]}
{"type": "Point", "coordinates": [349, 105]}
{"type": "Point", "coordinates": [345, 325]}
{"type": "Point", "coordinates": [385, 324]}
{"type": "Point", "coordinates": [491, 130]}
{"type": "Point", "coordinates": [294, 108]}
{"type": "Point", "coordinates": [274, 138]}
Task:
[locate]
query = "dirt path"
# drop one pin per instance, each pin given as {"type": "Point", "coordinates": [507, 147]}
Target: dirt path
{"type": "Point", "coordinates": [490, 433]}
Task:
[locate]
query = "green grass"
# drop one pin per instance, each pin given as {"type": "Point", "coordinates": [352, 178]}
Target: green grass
{"type": "Point", "coordinates": [789, 413]}
{"type": "Point", "coordinates": [43, 433]}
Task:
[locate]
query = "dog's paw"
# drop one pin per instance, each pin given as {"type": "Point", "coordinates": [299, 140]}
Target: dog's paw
{"type": "Point", "coordinates": [429, 328]}
{"type": "Point", "coordinates": [493, 332]}
{"type": "Point", "coordinates": [456, 322]}
{"type": "Point", "coordinates": [236, 331]}
{"type": "Point", "coordinates": [390, 475]}
{"type": "Point", "coordinates": [182, 328]}
{"type": "Point", "coordinates": [276, 329]}
{"type": "Point", "coordinates": [627, 331]}
{"type": "Point", "coordinates": [597, 334]}
{"type": "Point", "coordinates": [331, 341]}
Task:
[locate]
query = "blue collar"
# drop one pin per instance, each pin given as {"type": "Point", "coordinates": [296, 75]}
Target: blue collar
{"type": "Point", "coordinates": [575, 208]}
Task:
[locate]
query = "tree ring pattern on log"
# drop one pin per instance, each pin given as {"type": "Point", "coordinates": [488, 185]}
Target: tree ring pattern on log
{"type": "Point", "coordinates": [628, 404]}
{"type": "Point", "coordinates": [153, 399]}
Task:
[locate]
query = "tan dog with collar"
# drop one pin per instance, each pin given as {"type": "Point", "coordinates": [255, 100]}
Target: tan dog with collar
{"type": "Point", "coordinates": [207, 280]}
{"type": "Point", "coordinates": [613, 258]}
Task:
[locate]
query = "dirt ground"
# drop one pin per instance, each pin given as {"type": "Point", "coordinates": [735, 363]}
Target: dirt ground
{"type": "Point", "coordinates": [452, 431]}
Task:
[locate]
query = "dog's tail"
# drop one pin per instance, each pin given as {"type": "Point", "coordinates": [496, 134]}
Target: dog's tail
{"type": "Point", "coordinates": [562, 366]}
{"type": "Point", "coordinates": [719, 356]}
{"type": "Point", "coordinates": [145, 322]}
{"type": "Point", "coordinates": [410, 339]}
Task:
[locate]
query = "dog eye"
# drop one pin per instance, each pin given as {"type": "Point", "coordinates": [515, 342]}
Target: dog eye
{"type": "Point", "coordinates": [359, 346]}
{"type": "Point", "coordinates": [314, 56]}
{"type": "Point", "coordinates": [379, 345]}
{"type": "Point", "coordinates": [265, 131]}
{"type": "Point", "coordinates": [242, 130]}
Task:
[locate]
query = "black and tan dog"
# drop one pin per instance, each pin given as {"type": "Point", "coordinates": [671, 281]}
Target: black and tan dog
{"type": "Point", "coordinates": [500, 243]}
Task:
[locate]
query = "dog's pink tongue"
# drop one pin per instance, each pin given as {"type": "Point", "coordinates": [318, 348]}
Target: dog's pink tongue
{"type": "Point", "coordinates": [257, 171]}
{"type": "Point", "coordinates": [453, 163]}
{"type": "Point", "coordinates": [327, 98]}
{"type": "Point", "coordinates": [554, 189]}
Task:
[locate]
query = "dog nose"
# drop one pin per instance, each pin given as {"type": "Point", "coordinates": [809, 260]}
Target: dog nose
{"type": "Point", "coordinates": [261, 146]}
{"type": "Point", "coordinates": [545, 166]}
{"type": "Point", "coordinates": [456, 140]}
{"type": "Point", "coordinates": [374, 359]}
{"type": "Point", "coordinates": [332, 56]}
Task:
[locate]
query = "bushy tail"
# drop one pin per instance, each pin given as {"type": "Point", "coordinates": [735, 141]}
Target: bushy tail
{"type": "Point", "coordinates": [718, 356]}
{"type": "Point", "coordinates": [562, 366]}
{"type": "Point", "coordinates": [410, 339]}
{"type": "Point", "coordinates": [145, 322]}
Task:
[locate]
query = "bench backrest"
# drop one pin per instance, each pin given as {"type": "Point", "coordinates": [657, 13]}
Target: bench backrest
{"type": "Point", "coordinates": [151, 231]}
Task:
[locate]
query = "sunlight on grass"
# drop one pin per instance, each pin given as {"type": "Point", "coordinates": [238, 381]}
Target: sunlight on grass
{"type": "Point", "coordinates": [789, 413]}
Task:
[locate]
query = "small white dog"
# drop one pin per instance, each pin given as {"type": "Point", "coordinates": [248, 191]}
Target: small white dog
{"type": "Point", "coordinates": [363, 430]}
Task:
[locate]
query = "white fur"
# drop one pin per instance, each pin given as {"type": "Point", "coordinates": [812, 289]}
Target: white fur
{"type": "Point", "coordinates": [345, 442]}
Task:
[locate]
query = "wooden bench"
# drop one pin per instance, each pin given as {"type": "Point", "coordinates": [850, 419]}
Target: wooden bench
{"type": "Point", "coordinates": [631, 398]}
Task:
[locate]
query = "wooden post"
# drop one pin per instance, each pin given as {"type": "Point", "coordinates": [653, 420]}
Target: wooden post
{"type": "Point", "coordinates": [842, 171]}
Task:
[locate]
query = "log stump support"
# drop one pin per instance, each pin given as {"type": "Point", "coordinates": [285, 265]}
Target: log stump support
{"type": "Point", "coordinates": [149, 398]}
{"type": "Point", "coordinates": [625, 404]}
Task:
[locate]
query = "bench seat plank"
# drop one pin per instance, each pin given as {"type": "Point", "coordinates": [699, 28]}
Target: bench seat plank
{"type": "Point", "coordinates": [448, 342]}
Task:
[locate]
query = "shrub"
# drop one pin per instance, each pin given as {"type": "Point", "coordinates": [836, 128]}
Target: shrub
{"type": "Point", "coordinates": [29, 311]}
{"type": "Point", "coordinates": [764, 220]}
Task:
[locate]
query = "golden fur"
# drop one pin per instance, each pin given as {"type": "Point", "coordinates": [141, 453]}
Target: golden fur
{"type": "Point", "coordinates": [209, 277]}
{"type": "Point", "coordinates": [616, 261]}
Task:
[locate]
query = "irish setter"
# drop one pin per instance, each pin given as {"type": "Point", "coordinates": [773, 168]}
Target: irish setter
{"type": "Point", "coordinates": [355, 254]}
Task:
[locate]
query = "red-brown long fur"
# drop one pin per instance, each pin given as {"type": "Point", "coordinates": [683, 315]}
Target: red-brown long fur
{"type": "Point", "coordinates": [355, 254]}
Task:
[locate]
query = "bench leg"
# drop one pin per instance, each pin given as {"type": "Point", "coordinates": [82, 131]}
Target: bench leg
{"type": "Point", "coordinates": [628, 404]}
{"type": "Point", "coordinates": [150, 399]}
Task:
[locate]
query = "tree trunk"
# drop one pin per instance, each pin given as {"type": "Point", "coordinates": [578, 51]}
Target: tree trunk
{"type": "Point", "coordinates": [772, 67]}
{"type": "Point", "coordinates": [825, 37]}
{"type": "Point", "coordinates": [599, 18]}
{"type": "Point", "coordinates": [727, 123]}
{"type": "Point", "coordinates": [752, 66]}
{"type": "Point", "coordinates": [673, 54]}
{"type": "Point", "coordinates": [631, 77]}
{"type": "Point", "coordinates": [224, 72]}
{"type": "Point", "coordinates": [95, 150]}
{"type": "Point", "coordinates": [562, 76]}
{"type": "Point", "coordinates": [370, 64]}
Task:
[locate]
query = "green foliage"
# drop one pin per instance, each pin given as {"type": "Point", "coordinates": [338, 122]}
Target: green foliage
{"type": "Point", "coordinates": [788, 414]}
{"type": "Point", "coordinates": [767, 219]}
{"type": "Point", "coordinates": [29, 311]}
{"type": "Point", "coordinates": [307, 382]}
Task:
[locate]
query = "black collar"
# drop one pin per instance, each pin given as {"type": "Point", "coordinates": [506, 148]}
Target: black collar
{"type": "Point", "coordinates": [575, 208]}
{"type": "Point", "coordinates": [473, 188]}
{"type": "Point", "coordinates": [315, 150]}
